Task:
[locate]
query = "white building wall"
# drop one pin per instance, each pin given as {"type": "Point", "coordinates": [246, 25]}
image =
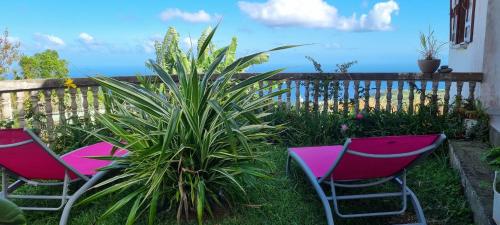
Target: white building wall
{"type": "Point", "coordinates": [490, 87]}
{"type": "Point", "coordinates": [470, 58]}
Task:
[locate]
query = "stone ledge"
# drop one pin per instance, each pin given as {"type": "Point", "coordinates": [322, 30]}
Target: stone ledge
{"type": "Point", "coordinates": [476, 177]}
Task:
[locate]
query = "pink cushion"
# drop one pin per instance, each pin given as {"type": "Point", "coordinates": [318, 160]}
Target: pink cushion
{"type": "Point", "coordinates": [353, 167]}
{"type": "Point", "coordinates": [319, 159]}
{"type": "Point", "coordinates": [32, 161]}
{"type": "Point", "coordinates": [79, 159]}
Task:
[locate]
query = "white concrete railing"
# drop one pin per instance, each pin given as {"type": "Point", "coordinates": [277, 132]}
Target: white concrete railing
{"type": "Point", "coordinates": [347, 92]}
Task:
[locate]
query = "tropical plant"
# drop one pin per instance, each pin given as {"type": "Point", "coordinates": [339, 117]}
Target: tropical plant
{"type": "Point", "coordinates": [194, 146]}
{"type": "Point", "coordinates": [9, 52]}
{"type": "Point", "coordinates": [429, 45]}
{"type": "Point", "coordinates": [493, 157]}
{"type": "Point", "coordinates": [10, 213]}
{"type": "Point", "coordinates": [45, 64]}
{"type": "Point", "coordinates": [168, 50]}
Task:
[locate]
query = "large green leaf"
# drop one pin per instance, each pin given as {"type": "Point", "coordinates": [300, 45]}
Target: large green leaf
{"type": "Point", "coordinates": [10, 214]}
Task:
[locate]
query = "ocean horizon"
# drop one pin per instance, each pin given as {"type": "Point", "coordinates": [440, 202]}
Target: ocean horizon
{"type": "Point", "coordinates": [132, 70]}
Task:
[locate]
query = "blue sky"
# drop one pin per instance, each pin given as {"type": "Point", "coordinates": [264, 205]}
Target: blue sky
{"type": "Point", "coordinates": [115, 37]}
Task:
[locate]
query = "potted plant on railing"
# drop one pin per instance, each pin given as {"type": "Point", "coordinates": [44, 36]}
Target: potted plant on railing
{"type": "Point", "coordinates": [430, 48]}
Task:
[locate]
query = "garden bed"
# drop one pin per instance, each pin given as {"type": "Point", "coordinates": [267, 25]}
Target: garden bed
{"type": "Point", "coordinates": [476, 176]}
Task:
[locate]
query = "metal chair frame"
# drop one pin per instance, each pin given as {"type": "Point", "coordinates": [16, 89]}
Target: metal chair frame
{"type": "Point", "coordinates": [399, 178]}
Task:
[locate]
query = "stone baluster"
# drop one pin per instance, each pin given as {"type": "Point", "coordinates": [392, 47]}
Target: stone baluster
{"type": "Point", "coordinates": [367, 95]}
{"type": "Point", "coordinates": [411, 96]}
{"type": "Point", "coordinates": [460, 85]}
{"type": "Point", "coordinates": [472, 90]}
{"type": "Point", "coordinates": [316, 95]}
{"type": "Point", "coordinates": [346, 97]}
{"type": "Point", "coordinates": [20, 108]}
{"type": "Point", "coordinates": [356, 96]}
{"type": "Point", "coordinates": [335, 96]}
{"type": "Point", "coordinates": [74, 106]}
{"type": "Point", "coordinates": [447, 86]}
{"type": "Point", "coordinates": [95, 98]}
{"type": "Point", "coordinates": [280, 97]}
{"type": "Point", "coordinates": [85, 103]}
{"type": "Point", "coordinates": [435, 85]}
{"type": "Point", "coordinates": [288, 93]}
{"type": "Point", "coordinates": [400, 95]}
{"type": "Point", "coordinates": [261, 89]}
{"type": "Point", "coordinates": [61, 107]}
{"type": "Point", "coordinates": [297, 94]}
{"type": "Point", "coordinates": [35, 110]}
{"type": "Point", "coordinates": [306, 100]}
{"type": "Point", "coordinates": [326, 84]}
{"type": "Point", "coordinates": [48, 114]}
{"type": "Point", "coordinates": [423, 88]}
{"type": "Point", "coordinates": [5, 99]}
{"type": "Point", "coordinates": [388, 106]}
{"type": "Point", "coordinates": [378, 83]}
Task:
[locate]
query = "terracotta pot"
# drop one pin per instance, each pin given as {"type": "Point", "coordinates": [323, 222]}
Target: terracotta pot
{"type": "Point", "coordinates": [429, 65]}
{"type": "Point", "coordinates": [496, 199]}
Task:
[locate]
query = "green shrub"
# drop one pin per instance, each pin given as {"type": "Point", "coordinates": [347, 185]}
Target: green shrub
{"type": "Point", "coordinates": [320, 128]}
{"type": "Point", "coordinates": [493, 157]}
{"type": "Point", "coordinates": [195, 146]}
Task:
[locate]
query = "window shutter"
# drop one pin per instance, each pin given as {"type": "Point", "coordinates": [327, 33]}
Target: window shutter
{"type": "Point", "coordinates": [469, 20]}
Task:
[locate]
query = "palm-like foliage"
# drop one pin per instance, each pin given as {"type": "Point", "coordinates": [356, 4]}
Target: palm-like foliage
{"type": "Point", "coordinates": [430, 46]}
{"type": "Point", "coordinates": [195, 144]}
{"type": "Point", "coordinates": [168, 52]}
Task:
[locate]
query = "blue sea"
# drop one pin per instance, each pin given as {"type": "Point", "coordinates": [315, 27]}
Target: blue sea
{"type": "Point", "coordinates": [78, 72]}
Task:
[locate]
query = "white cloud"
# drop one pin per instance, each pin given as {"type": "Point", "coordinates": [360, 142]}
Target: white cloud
{"type": "Point", "coordinates": [193, 17]}
{"type": "Point", "coordinates": [380, 16]}
{"type": "Point", "coordinates": [86, 38]}
{"type": "Point", "coordinates": [48, 41]}
{"type": "Point", "coordinates": [319, 14]}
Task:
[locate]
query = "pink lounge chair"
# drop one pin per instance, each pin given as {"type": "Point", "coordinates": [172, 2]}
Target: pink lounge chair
{"type": "Point", "coordinates": [24, 156]}
{"type": "Point", "coordinates": [365, 162]}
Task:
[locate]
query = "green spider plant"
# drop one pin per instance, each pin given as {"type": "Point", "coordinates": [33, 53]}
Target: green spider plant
{"type": "Point", "coordinates": [195, 139]}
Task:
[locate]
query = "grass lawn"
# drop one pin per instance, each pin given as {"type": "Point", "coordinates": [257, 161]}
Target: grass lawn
{"type": "Point", "coordinates": [291, 200]}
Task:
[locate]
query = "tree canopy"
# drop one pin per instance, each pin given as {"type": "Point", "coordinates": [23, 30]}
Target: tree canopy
{"type": "Point", "coordinates": [44, 65]}
{"type": "Point", "coordinates": [9, 52]}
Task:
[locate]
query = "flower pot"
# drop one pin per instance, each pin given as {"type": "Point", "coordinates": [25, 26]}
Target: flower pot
{"type": "Point", "coordinates": [496, 198]}
{"type": "Point", "coordinates": [429, 65]}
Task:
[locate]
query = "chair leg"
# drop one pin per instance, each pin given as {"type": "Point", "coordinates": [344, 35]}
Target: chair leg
{"type": "Point", "coordinates": [416, 205]}
{"type": "Point", "coordinates": [77, 194]}
{"type": "Point", "coordinates": [287, 164]}
{"type": "Point", "coordinates": [317, 187]}
{"type": "Point", "coordinates": [325, 202]}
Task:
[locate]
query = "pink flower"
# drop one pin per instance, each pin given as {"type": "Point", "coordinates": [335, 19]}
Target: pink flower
{"type": "Point", "coordinates": [344, 128]}
{"type": "Point", "coordinates": [359, 116]}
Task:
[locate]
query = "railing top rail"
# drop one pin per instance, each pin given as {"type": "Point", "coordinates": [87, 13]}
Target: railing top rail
{"type": "Point", "coordinates": [41, 84]}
